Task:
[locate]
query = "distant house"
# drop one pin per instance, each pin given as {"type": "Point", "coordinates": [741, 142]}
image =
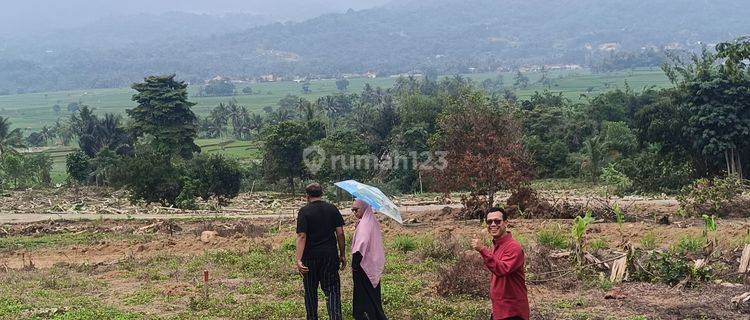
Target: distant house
{"type": "Point", "coordinates": [371, 74]}
{"type": "Point", "coordinates": [610, 46]}
{"type": "Point", "coordinates": [673, 46]}
{"type": "Point", "coordinates": [563, 67]}
{"type": "Point", "coordinates": [269, 78]}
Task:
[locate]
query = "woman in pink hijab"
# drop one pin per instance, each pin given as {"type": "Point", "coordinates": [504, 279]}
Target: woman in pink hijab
{"type": "Point", "coordinates": [368, 262]}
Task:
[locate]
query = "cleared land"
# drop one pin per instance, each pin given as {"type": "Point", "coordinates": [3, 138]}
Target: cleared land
{"type": "Point", "coordinates": [141, 269]}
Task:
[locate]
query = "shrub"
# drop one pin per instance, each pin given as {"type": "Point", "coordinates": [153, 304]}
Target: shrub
{"type": "Point", "coordinates": [186, 199]}
{"type": "Point", "coordinates": [441, 248]}
{"type": "Point", "coordinates": [616, 181]}
{"type": "Point", "coordinates": [552, 238]}
{"type": "Point", "coordinates": [690, 244]}
{"type": "Point", "coordinates": [214, 176]}
{"type": "Point", "coordinates": [23, 171]}
{"type": "Point", "coordinates": [651, 171]}
{"type": "Point", "coordinates": [711, 196]}
{"type": "Point", "coordinates": [289, 244]}
{"type": "Point", "coordinates": [404, 243]}
{"type": "Point", "coordinates": [153, 178]}
{"type": "Point", "coordinates": [467, 276]}
{"type": "Point", "coordinates": [671, 268]}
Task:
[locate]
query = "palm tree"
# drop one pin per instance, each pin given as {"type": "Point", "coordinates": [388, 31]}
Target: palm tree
{"type": "Point", "coordinates": [594, 150]}
{"type": "Point", "coordinates": [235, 116]}
{"type": "Point", "coordinates": [255, 122]}
{"type": "Point", "coordinates": [305, 109]}
{"type": "Point", "coordinates": [47, 133]}
{"type": "Point", "coordinates": [64, 131]}
{"type": "Point", "coordinates": [219, 117]}
{"type": "Point", "coordinates": [9, 139]}
{"type": "Point", "coordinates": [280, 116]}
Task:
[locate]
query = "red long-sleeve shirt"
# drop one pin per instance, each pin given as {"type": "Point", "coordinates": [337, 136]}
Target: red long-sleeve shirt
{"type": "Point", "coordinates": [508, 284]}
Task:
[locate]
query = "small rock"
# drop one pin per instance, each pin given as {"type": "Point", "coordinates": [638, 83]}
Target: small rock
{"type": "Point", "coordinates": [664, 220]}
{"type": "Point", "coordinates": [208, 236]}
{"type": "Point", "coordinates": [615, 294]}
{"type": "Point", "coordinates": [140, 248]}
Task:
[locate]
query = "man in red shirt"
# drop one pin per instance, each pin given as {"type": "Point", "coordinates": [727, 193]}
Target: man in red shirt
{"type": "Point", "coordinates": [505, 260]}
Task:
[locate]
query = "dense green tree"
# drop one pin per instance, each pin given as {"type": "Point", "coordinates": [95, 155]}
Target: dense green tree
{"type": "Point", "coordinates": [717, 99]}
{"type": "Point", "coordinates": [153, 177]}
{"type": "Point", "coordinates": [164, 113]}
{"type": "Point", "coordinates": [78, 166]}
{"type": "Point", "coordinates": [36, 139]}
{"type": "Point", "coordinates": [96, 133]}
{"type": "Point", "coordinates": [284, 147]}
{"type": "Point", "coordinates": [63, 131]}
{"type": "Point", "coordinates": [520, 80]}
{"type": "Point", "coordinates": [217, 88]}
{"type": "Point", "coordinates": [306, 88]}
{"type": "Point", "coordinates": [342, 84]}
{"type": "Point", "coordinates": [493, 84]}
{"type": "Point", "coordinates": [218, 119]}
{"type": "Point", "coordinates": [74, 107]}
{"type": "Point", "coordinates": [347, 156]}
{"type": "Point", "coordinates": [213, 176]}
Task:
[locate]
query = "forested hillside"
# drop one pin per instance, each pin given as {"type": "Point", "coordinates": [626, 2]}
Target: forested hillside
{"type": "Point", "coordinates": [445, 37]}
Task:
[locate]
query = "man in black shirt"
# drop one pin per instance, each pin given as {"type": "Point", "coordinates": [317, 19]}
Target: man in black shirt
{"type": "Point", "coordinates": [319, 229]}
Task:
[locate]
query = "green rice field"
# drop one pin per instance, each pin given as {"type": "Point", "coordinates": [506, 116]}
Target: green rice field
{"type": "Point", "coordinates": [33, 110]}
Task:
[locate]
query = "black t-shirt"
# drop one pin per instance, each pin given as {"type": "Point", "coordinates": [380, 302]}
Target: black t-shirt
{"type": "Point", "coordinates": [319, 220]}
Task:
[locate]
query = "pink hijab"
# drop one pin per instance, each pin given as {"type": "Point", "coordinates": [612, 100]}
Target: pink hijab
{"type": "Point", "coordinates": [368, 241]}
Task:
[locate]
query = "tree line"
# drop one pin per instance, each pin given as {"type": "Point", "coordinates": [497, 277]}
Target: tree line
{"type": "Point", "coordinates": [649, 140]}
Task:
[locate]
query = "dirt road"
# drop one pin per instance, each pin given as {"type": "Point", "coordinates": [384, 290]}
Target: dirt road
{"type": "Point", "coordinates": [11, 218]}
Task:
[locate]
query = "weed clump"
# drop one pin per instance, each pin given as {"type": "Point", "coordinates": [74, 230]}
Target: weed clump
{"type": "Point", "coordinates": [553, 238]}
{"type": "Point", "coordinates": [404, 243]}
{"type": "Point", "coordinates": [467, 276]}
{"type": "Point", "coordinates": [444, 247]}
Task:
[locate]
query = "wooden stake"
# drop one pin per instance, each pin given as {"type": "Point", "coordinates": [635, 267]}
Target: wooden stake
{"type": "Point", "coordinates": [205, 284]}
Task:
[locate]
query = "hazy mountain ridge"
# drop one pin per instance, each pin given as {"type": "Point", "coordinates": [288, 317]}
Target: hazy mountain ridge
{"type": "Point", "coordinates": [449, 36]}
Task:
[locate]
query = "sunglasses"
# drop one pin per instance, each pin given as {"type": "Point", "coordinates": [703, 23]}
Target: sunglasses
{"type": "Point", "coordinates": [494, 221]}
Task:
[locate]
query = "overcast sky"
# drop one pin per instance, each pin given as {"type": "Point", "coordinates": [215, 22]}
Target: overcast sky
{"type": "Point", "coordinates": [24, 16]}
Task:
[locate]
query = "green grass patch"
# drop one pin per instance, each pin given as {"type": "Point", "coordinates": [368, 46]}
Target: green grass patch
{"type": "Point", "coordinates": [404, 243]}
{"type": "Point", "coordinates": [10, 307]}
{"type": "Point", "coordinates": [648, 241]}
{"type": "Point", "coordinates": [553, 238]}
{"type": "Point", "coordinates": [48, 240]}
{"type": "Point", "coordinates": [140, 297]}
{"type": "Point", "coordinates": [97, 314]}
{"type": "Point", "coordinates": [598, 244]}
{"type": "Point", "coordinates": [690, 244]}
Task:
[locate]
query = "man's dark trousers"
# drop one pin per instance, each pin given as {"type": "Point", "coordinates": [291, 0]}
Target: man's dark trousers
{"type": "Point", "coordinates": [323, 271]}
